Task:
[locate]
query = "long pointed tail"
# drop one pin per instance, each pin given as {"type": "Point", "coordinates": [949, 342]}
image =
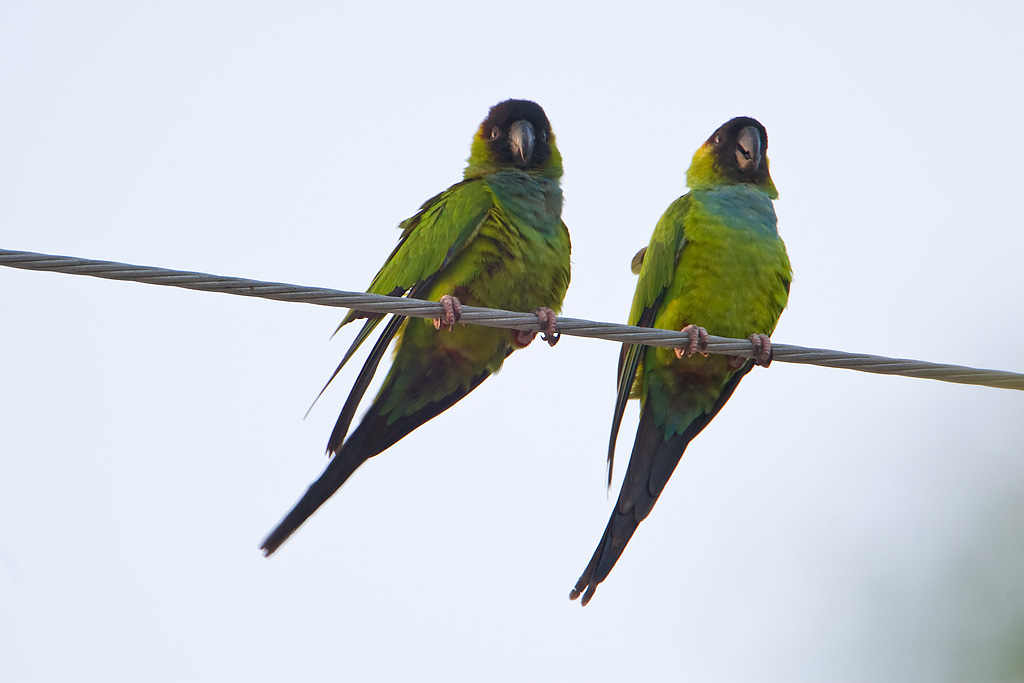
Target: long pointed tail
{"type": "Point", "coordinates": [337, 473]}
{"type": "Point", "coordinates": [650, 465]}
{"type": "Point", "coordinates": [374, 435]}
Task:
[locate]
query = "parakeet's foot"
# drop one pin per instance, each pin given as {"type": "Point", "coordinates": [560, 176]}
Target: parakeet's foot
{"type": "Point", "coordinates": [550, 324]}
{"type": "Point", "coordinates": [548, 321]}
{"type": "Point", "coordinates": [762, 349]}
{"type": "Point", "coordinates": [452, 312]}
{"type": "Point", "coordinates": [698, 342]}
{"type": "Point", "coordinates": [762, 344]}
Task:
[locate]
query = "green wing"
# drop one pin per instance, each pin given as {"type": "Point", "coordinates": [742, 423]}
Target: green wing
{"type": "Point", "coordinates": [442, 227]}
{"type": "Point", "coordinates": [638, 261]}
{"type": "Point", "coordinates": [660, 259]}
{"type": "Point", "coordinates": [656, 263]}
{"type": "Point", "coordinates": [434, 236]}
{"type": "Point", "coordinates": [429, 242]}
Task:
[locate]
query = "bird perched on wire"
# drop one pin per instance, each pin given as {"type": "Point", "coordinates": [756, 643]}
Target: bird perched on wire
{"type": "Point", "coordinates": [496, 239]}
{"type": "Point", "coordinates": [715, 263]}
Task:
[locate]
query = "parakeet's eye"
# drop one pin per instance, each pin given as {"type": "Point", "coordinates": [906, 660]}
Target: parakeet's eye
{"type": "Point", "coordinates": [718, 138]}
{"type": "Point", "coordinates": [495, 132]}
{"type": "Point", "coordinates": [544, 135]}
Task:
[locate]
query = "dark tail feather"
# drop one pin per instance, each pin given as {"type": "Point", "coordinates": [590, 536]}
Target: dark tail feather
{"type": "Point", "coordinates": [650, 465]}
{"type": "Point", "coordinates": [362, 380]}
{"type": "Point", "coordinates": [373, 435]}
{"type": "Point", "coordinates": [337, 473]}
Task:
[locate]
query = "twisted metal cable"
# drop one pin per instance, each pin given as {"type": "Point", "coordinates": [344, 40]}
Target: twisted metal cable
{"type": "Point", "coordinates": [374, 303]}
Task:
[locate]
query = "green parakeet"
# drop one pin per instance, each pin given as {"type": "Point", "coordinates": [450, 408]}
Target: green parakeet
{"type": "Point", "coordinates": [714, 264]}
{"type": "Point", "coordinates": [495, 239]}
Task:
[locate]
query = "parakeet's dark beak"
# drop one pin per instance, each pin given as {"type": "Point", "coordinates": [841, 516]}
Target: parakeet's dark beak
{"type": "Point", "coordinates": [520, 139]}
{"type": "Point", "coordinates": [748, 149]}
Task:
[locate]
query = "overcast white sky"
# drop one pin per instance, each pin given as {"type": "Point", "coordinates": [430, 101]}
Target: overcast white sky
{"type": "Point", "coordinates": [829, 525]}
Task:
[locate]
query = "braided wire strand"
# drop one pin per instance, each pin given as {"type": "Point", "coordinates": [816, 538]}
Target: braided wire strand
{"type": "Point", "coordinates": [374, 303]}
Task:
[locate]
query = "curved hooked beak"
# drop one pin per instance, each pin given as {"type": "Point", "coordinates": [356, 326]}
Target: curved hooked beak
{"type": "Point", "coordinates": [748, 149]}
{"type": "Point", "coordinates": [520, 139]}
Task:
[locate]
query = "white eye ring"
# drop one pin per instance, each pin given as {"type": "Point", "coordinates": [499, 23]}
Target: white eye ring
{"type": "Point", "coordinates": [495, 133]}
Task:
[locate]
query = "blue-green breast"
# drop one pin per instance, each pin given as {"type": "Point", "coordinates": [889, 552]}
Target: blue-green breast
{"type": "Point", "coordinates": [520, 256]}
{"type": "Point", "coordinates": [732, 278]}
{"type": "Point", "coordinates": [732, 274]}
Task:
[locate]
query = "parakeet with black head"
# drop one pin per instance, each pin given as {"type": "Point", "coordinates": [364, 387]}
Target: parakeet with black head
{"type": "Point", "coordinates": [496, 239]}
{"type": "Point", "coordinates": [714, 264]}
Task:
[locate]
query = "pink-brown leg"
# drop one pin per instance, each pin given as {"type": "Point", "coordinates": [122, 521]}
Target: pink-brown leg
{"type": "Point", "coordinates": [698, 342]}
{"type": "Point", "coordinates": [762, 349]}
{"type": "Point", "coordinates": [549, 323]}
{"type": "Point", "coordinates": [452, 312]}
{"type": "Point", "coordinates": [762, 344]}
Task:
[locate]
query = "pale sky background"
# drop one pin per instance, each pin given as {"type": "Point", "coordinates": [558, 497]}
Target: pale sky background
{"type": "Point", "coordinates": [828, 526]}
